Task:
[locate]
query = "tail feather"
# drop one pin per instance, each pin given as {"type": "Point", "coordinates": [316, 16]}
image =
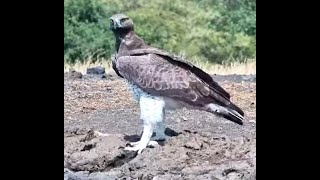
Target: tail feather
{"type": "Point", "coordinates": [236, 108]}
{"type": "Point", "coordinates": [233, 115]}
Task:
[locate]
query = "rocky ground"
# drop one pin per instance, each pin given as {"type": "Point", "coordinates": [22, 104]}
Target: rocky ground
{"type": "Point", "coordinates": [199, 145]}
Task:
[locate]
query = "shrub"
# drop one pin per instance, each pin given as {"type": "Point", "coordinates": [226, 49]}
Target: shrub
{"type": "Point", "coordinates": [210, 30]}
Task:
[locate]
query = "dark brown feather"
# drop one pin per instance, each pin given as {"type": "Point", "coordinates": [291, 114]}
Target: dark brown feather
{"type": "Point", "coordinates": [113, 62]}
{"type": "Point", "coordinates": [154, 75]}
{"type": "Point", "coordinates": [131, 44]}
{"type": "Point", "coordinates": [160, 73]}
{"type": "Point", "coordinates": [184, 64]}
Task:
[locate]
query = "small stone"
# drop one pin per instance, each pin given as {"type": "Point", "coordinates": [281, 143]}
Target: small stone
{"type": "Point", "coordinates": [184, 118]}
{"type": "Point", "coordinates": [96, 70]}
{"type": "Point", "coordinates": [193, 145]}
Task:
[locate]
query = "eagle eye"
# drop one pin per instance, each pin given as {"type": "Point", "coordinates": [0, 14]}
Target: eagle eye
{"type": "Point", "coordinates": [123, 20]}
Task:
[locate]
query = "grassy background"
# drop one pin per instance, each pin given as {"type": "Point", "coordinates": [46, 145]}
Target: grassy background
{"type": "Point", "coordinates": [214, 34]}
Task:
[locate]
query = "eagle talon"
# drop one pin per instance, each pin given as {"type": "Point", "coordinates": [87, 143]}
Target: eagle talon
{"type": "Point", "coordinates": [153, 144]}
{"type": "Point", "coordinates": [138, 146]}
{"type": "Point", "coordinates": [134, 143]}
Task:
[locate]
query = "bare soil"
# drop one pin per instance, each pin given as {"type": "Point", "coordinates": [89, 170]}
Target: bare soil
{"type": "Point", "coordinates": [199, 145]}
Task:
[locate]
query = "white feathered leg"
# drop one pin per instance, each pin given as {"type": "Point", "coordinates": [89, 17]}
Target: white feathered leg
{"type": "Point", "coordinates": [152, 112]}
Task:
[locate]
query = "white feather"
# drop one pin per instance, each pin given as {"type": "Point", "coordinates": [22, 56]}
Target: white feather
{"type": "Point", "coordinates": [152, 114]}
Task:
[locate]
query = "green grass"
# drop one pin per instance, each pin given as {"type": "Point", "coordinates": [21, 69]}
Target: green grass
{"type": "Point", "coordinates": [211, 31]}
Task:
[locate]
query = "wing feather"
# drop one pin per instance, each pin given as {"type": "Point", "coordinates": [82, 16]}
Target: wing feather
{"type": "Point", "coordinates": [184, 64]}
{"type": "Point", "coordinates": [156, 76]}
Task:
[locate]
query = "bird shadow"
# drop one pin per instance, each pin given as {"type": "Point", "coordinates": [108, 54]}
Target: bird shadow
{"type": "Point", "coordinates": [168, 132]}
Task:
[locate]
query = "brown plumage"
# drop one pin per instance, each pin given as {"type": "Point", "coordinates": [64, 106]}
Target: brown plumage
{"type": "Point", "coordinates": [160, 74]}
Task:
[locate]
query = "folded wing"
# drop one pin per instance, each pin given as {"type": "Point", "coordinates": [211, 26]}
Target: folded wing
{"type": "Point", "coordinates": [161, 75]}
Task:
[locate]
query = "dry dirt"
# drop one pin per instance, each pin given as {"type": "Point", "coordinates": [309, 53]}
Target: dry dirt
{"type": "Point", "coordinates": [199, 145]}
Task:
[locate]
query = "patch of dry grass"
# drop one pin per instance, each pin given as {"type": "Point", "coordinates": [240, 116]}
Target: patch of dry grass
{"type": "Point", "coordinates": [82, 67]}
{"type": "Point", "coordinates": [235, 68]}
{"type": "Point", "coordinates": [246, 68]}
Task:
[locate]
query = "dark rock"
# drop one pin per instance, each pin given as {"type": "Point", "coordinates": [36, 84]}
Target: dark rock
{"type": "Point", "coordinates": [96, 70]}
{"type": "Point", "coordinates": [86, 175]}
{"type": "Point", "coordinates": [70, 175]}
{"type": "Point", "coordinates": [90, 153]}
{"type": "Point", "coordinates": [107, 76]}
{"type": "Point", "coordinates": [73, 74]}
{"type": "Point", "coordinates": [189, 155]}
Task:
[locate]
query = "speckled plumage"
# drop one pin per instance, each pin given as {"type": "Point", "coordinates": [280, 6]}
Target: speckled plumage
{"type": "Point", "coordinates": [136, 91]}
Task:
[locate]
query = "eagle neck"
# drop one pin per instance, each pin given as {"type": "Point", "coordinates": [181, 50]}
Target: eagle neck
{"type": "Point", "coordinates": [121, 36]}
{"type": "Point", "coordinates": [127, 42]}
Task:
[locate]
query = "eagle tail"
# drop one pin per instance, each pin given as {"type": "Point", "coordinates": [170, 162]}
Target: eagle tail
{"type": "Point", "coordinates": [236, 108]}
{"type": "Point", "coordinates": [231, 113]}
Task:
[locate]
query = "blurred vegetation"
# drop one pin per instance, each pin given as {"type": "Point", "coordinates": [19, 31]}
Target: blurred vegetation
{"type": "Point", "coordinates": [207, 30]}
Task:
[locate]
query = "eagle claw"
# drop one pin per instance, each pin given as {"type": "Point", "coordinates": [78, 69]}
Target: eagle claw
{"type": "Point", "coordinates": [138, 146]}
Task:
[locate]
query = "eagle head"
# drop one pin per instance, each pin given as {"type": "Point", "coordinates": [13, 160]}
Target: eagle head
{"type": "Point", "coordinates": [121, 22]}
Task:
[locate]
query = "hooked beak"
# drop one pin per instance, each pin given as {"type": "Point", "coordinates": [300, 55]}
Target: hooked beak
{"type": "Point", "coordinates": [115, 23]}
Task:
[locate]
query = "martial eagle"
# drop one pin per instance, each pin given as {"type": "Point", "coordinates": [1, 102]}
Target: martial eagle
{"type": "Point", "coordinates": [160, 81]}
